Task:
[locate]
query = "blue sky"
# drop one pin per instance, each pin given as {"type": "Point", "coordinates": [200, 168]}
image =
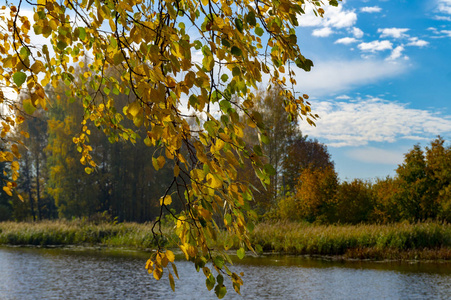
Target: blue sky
{"type": "Point", "coordinates": [381, 81]}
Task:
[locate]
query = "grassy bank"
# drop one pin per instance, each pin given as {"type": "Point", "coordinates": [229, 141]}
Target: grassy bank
{"type": "Point", "coordinates": [46, 233]}
{"type": "Point", "coordinates": [424, 241]}
{"type": "Point", "coordinates": [395, 241]}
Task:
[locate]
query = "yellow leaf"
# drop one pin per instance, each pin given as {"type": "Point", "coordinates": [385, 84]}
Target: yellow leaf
{"type": "Point", "coordinates": [161, 161]}
{"type": "Point", "coordinates": [15, 150]}
{"type": "Point", "coordinates": [170, 255]}
{"type": "Point", "coordinates": [149, 265]}
{"type": "Point", "coordinates": [166, 200]}
{"type": "Point", "coordinates": [171, 282]}
{"type": "Point", "coordinates": [15, 165]}
{"type": "Point", "coordinates": [37, 67]}
{"type": "Point", "coordinates": [213, 181]}
{"type": "Point", "coordinates": [7, 190]}
{"type": "Point", "coordinates": [157, 273]}
{"type": "Point", "coordinates": [134, 108]}
{"type": "Point", "coordinates": [176, 171]}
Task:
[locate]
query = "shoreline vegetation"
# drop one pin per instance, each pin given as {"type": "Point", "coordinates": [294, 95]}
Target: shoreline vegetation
{"type": "Point", "coordinates": [428, 241]}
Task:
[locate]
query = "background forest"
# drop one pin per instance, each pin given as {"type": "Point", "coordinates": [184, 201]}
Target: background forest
{"type": "Point", "coordinates": [127, 186]}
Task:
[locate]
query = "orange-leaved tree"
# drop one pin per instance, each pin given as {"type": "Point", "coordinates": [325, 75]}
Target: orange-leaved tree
{"type": "Point", "coordinates": [174, 58]}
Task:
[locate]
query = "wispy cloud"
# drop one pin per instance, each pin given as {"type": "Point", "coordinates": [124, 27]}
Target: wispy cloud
{"type": "Point", "coordinates": [444, 6]}
{"type": "Point", "coordinates": [375, 46]}
{"type": "Point", "coordinates": [356, 32]}
{"type": "Point", "coordinates": [376, 155]}
{"type": "Point", "coordinates": [334, 76]}
{"type": "Point", "coordinates": [371, 9]}
{"type": "Point", "coordinates": [346, 41]}
{"type": "Point", "coordinates": [322, 32]}
{"type": "Point", "coordinates": [358, 122]}
{"type": "Point", "coordinates": [334, 17]}
{"type": "Point", "coordinates": [397, 53]}
{"type": "Point", "coordinates": [393, 32]}
{"type": "Point", "coordinates": [414, 41]}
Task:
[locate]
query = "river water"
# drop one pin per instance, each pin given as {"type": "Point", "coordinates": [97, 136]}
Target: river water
{"type": "Point", "coordinates": [33, 273]}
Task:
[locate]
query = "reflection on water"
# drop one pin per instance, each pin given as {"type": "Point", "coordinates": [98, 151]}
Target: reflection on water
{"type": "Point", "coordinates": [75, 274]}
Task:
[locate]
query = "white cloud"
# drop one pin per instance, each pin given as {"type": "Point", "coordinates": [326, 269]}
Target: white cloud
{"type": "Point", "coordinates": [322, 32]}
{"type": "Point", "coordinates": [375, 46]}
{"type": "Point", "coordinates": [335, 17]}
{"type": "Point", "coordinates": [376, 155]}
{"type": "Point", "coordinates": [356, 123]}
{"type": "Point", "coordinates": [338, 75]}
{"type": "Point", "coordinates": [393, 32]}
{"type": "Point", "coordinates": [357, 32]}
{"type": "Point", "coordinates": [346, 40]}
{"type": "Point", "coordinates": [414, 41]}
{"type": "Point", "coordinates": [444, 6]}
{"type": "Point", "coordinates": [371, 9]}
{"type": "Point", "coordinates": [442, 18]}
{"type": "Point", "coordinates": [396, 53]}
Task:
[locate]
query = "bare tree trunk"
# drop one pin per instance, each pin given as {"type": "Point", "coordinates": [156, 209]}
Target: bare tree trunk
{"type": "Point", "coordinates": [38, 190]}
{"type": "Point", "coordinates": [28, 185]}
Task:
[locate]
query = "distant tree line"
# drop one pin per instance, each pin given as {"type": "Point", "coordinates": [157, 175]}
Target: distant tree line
{"type": "Point", "coordinates": [53, 182]}
{"type": "Point", "coordinates": [420, 191]}
{"type": "Point", "coordinates": [304, 185]}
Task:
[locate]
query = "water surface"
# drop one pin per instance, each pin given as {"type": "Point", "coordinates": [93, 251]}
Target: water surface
{"type": "Point", "coordinates": [34, 273]}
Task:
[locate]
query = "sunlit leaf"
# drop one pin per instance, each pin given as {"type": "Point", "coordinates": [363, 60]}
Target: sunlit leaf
{"type": "Point", "coordinates": [166, 200]}
{"type": "Point", "coordinates": [19, 78]}
{"type": "Point", "coordinates": [241, 253]}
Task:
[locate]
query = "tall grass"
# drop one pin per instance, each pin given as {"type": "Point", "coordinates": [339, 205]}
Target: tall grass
{"type": "Point", "coordinates": [401, 240]}
{"type": "Point", "coordinates": [393, 241]}
{"type": "Point", "coordinates": [81, 233]}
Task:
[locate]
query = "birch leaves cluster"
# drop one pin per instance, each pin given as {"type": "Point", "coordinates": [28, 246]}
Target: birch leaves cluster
{"type": "Point", "coordinates": [189, 69]}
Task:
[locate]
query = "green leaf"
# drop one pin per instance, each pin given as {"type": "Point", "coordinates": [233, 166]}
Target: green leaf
{"type": "Point", "coordinates": [28, 107]}
{"type": "Point", "coordinates": [61, 45]}
{"type": "Point", "coordinates": [250, 18]}
{"type": "Point", "coordinates": [219, 262]}
{"type": "Point", "coordinates": [264, 139]}
{"type": "Point", "coordinates": [236, 51]}
{"type": "Point", "coordinates": [225, 42]}
{"type": "Point", "coordinates": [197, 44]}
{"type": "Point", "coordinates": [82, 33]}
{"type": "Point", "coordinates": [210, 282]}
{"type": "Point", "coordinates": [307, 64]}
{"type": "Point", "coordinates": [258, 248]}
{"type": "Point", "coordinates": [224, 77]}
{"type": "Point", "coordinates": [258, 150]}
{"type": "Point", "coordinates": [241, 253]}
{"type": "Point", "coordinates": [333, 2]}
{"type": "Point", "coordinates": [239, 25]}
{"type": "Point", "coordinates": [269, 169]}
{"type": "Point", "coordinates": [19, 78]}
{"type": "Point", "coordinates": [259, 31]}
{"type": "Point", "coordinates": [225, 105]}
{"type": "Point", "coordinates": [236, 71]}
{"type": "Point", "coordinates": [220, 291]}
{"type": "Point", "coordinates": [24, 52]}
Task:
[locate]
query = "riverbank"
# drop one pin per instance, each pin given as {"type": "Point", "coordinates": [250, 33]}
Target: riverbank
{"type": "Point", "coordinates": [65, 233]}
{"type": "Point", "coordinates": [403, 241]}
